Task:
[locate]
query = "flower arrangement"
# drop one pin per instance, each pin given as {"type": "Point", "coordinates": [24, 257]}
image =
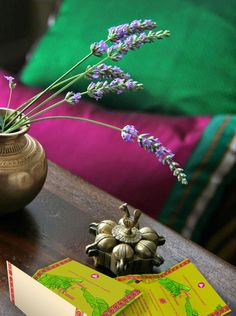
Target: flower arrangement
{"type": "Point", "coordinates": [104, 79]}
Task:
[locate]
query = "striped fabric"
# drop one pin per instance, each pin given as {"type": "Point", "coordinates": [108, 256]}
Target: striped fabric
{"type": "Point", "coordinates": [204, 211]}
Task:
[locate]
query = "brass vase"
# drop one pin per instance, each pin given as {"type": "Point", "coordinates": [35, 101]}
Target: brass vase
{"type": "Point", "coordinates": [23, 169]}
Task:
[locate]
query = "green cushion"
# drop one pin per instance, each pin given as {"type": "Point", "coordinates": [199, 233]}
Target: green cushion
{"type": "Point", "coordinates": [204, 210]}
{"type": "Point", "coordinates": [193, 72]}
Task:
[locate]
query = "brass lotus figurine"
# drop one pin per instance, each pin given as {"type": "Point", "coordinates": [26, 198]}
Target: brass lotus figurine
{"type": "Point", "coordinates": [123, 248]}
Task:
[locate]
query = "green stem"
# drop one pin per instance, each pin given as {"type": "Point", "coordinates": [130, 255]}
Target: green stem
{"type": "Point", "coordinates": [42, 103]}
{"type": "Point", "coordinates": [26, 102]}
{"type": "Point", "coordinates": [8, 104]}
{"type": "Point", "coordinates": [51, 86]}
{"type": "Point", "coordinates": [72, 118]}
{"type": "Point", "coordinates": [9, 99]}
{"type": "Point", "coordinates": [50, 107]}
{"type": "Point", "coordinates": [70, 83]}
{"type": "Point", "coordinates": [66, 80]}
{"type": "Point", "coordinates": [47, 109]}
{"type": "Point", "coordinates": [54, 86]}
{"type": "Point", "coordinates": [59, 91]}
{"type": "Point", "coordinates": [19, 123]}
{"type": "Point", "coordinates": [48, 88]}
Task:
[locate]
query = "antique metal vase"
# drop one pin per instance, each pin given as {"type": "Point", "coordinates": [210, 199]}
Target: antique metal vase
{"type": "Point", "coordinates": [23, 169]}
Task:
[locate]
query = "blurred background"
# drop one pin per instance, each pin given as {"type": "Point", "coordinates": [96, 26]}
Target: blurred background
{"type": "Point", "coordinates": [22, 22]}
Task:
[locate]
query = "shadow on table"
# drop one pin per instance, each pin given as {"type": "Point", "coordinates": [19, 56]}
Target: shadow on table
{"type": "Point", "coordinates": [19, 223]}
{"type": "Point", "coordinates": [19, 239]}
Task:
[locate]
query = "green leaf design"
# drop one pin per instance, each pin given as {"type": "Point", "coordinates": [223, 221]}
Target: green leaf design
{"type": "Point", "coordinates": [1, 122]}
{"type": "Point", "coordinates": [102, 305]}
{"type": "Point", "coordinates": [52, 281]}
{"type": "Point", "coordinates": [189, 310]}
{"type": "Point", "coordinates": [96, 312]}
{"type": "Point", "coordinates": [131, 281]}
{"type": "Point", "coordinates": [218, 307]}
{"type": "Point", "coordinates": [98, 305]}
{"type": "Point", "coordinates": [127, 292]}
{"type": "Point", "coordinates": [173, 287]}
{"type": "Point", "coordinates": [89, 298]}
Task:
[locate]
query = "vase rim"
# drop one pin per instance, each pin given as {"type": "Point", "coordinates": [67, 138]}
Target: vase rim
{"type": "Point", "coordinates": [22, 130]}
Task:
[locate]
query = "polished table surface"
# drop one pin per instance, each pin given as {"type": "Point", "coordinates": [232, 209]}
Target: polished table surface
{"type": "Point", "coordinates": [55, 226]}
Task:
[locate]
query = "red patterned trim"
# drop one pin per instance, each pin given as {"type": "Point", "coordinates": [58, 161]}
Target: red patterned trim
{"type": "Point", "coordinates": [155, 276]}
{"type": "Point", "coordinates": [121, 303]}
{"type": "Point", "coordinates": [51, 267]}
{"type": "Point", "coordinates": [10, 281]}
{"type": "Point", "coordinates": [132, 277]}
{"type": "Point", "coordinates": [220, 311]}
{"type": "Point", "coordinates": [79, 313]}
{"type": "Point", "coordinates": [174, 268]}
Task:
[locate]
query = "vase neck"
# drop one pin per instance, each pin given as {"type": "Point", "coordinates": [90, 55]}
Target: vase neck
{"type": "Point", "coordinates": [10, 144]}
{"type": "Point", "coordinates": [13, 135]}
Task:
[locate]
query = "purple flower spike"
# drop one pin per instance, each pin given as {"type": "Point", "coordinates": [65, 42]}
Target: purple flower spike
{"type": "Point", "coordinates": [72, 97]}
{"type": "Point", "coordinates": [135, 25]}
{"type": "Point", "coordinates": [153, 145]}
{"type": "Point", "coordinates": [117, 33]}
{"type": "Point", "coordinates": [98, 48]}
{"type": "Point", "coordinates": [149, 143]}
{"type": "Point", "coordinates": [104, 71]}
{"type": "Point", "coordinates": [120, 32]}
{"type": "Point", "coordinates": [130, 84]}
{"type": "Point", "coordinates": [164, 155]}
{"type": "Point", "coordinates": [98, 94]}
{"type": "Point", "coordinates": [76, 97]}
{"type": "Point", "coordinates": [149, 24]}
{"type": "Point", "coordinates": [128, 133]}
{"type": "Point", "coordinates": [133, 42]}
{"type": "Point", "coordinates": [118, 85]}
{"type": "Point", "coordinates": [10, 79]}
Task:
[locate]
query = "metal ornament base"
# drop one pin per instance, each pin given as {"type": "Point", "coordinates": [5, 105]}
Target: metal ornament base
{"type": "Point", "coordinates": [123, 248]}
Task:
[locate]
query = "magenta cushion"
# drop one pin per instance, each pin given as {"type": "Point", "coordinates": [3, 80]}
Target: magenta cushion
{"type": "Point", "coordinates": [99, 155]}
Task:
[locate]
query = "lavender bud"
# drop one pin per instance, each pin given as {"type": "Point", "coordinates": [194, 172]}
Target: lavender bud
{"type": "Point", "coordinates": [128, 133]}
{"type": "Point", "coordinates": [164, 155]}
{"type": "Point", "coordinates": [120, 32]}
{"type": "Point", "coordinates": [10, 80]}
{"type": "Point", "coordinates": [118, 85]}
{"type": "Point", "coordinates": [104, 71]}
{"type": "Point", "coordinates": [72, 97]}
{"type": "Point", "coordinates": [133, 42]}
{"type": "Point", "coordinates": [98, 48]}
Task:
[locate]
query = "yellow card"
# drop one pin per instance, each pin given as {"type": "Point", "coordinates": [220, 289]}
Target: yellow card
{"type": "Point", "coordinates": [180, 291]}
{"type": "Point", "coordinates": [68, 288]}
{"type": "Point", "coordinates": [91, 292]}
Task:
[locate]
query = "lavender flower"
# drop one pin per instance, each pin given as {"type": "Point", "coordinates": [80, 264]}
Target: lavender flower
{"type": "Point", "coordinates": [128, 133]}
{"type": "Point", "coordinates": [10, 80]}
{"type": "Point", "coordinates": [148, 142]}
{"type": "Point", "coordinates": [118, 85]}
{"type": "Point", "coordinates": [72, 97]}
{"type": "Point", "coordinates": [124, 38]}
{"type": "Point", "coordinates": [98, 48]}
{"type": "Point", "coordinates": [153, 145]}
{"type": "Point", "coordinates": [104, 71]}
{"type": "Point", "coordinates": [133, 42]}
{"type": "Point", "coordinates": [117, 33]}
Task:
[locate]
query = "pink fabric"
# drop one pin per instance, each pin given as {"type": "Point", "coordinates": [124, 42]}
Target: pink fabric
{"type": "Point", "coordinates": [99, 155]}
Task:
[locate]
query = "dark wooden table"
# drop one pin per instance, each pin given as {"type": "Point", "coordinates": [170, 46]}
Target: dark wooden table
{"type": "Point", "coordinates": [55, 226]}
